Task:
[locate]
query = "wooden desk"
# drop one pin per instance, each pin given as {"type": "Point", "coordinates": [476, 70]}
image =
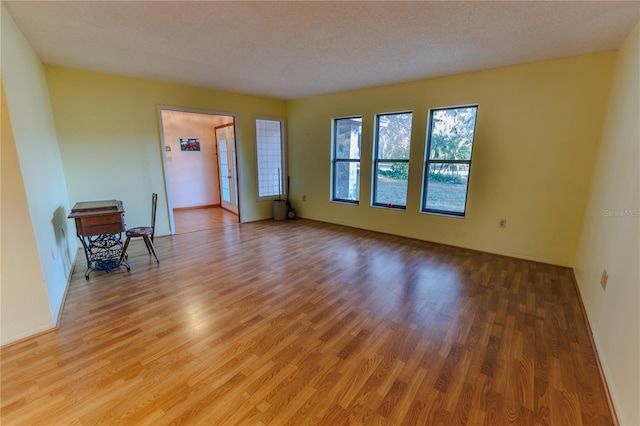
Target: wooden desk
{"type": "Point", "coordinates": [99, 225]}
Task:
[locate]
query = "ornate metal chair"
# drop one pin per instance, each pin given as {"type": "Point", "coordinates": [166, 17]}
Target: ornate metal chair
{"type": "Point", "coordinates": [145, 232]}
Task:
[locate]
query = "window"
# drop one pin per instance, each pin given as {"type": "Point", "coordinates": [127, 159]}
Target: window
{"type": "Point", "coordinates": [391, 163]}
{"type": "Point", "coordinates": [448, 160]}
{"type": "Point", "coordinates": [270, 155]}
{"type": "Point", "coordinates": [347, 135]}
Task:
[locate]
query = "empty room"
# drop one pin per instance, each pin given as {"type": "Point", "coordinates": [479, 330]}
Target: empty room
{"type": "Point", "coordinates": [329, 213]}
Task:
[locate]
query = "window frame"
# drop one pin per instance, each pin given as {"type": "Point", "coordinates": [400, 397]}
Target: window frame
{"type": "Point", "coordinates": [376, 161]}
{"type": "Point", "coordinates": [335, 160]}
{"type": "Point", "coordinates": [428, 162]}
{"type": "Point", "coordinates": [283, 158]}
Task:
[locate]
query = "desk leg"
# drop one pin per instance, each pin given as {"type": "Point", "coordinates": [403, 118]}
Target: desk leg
{"type": "Point", "coordinates": [104, 253]}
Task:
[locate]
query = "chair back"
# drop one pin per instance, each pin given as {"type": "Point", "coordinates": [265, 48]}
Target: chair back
{"type": "Point", "coordinates": [154, 205]}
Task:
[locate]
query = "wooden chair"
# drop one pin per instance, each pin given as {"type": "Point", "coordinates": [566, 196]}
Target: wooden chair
{"type": "Point", "coordinates": [145, 232]}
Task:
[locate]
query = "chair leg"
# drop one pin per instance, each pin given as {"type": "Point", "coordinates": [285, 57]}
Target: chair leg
{"type": "Point", "coordinates": [124, 250]}
{"type": "Point", "coordinates": [146, 243]}
{"type": "Point", "coordinates": [151, 247]}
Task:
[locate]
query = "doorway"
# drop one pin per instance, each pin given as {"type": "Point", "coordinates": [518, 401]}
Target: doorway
{"type": "Point", "coordinates": [200, 164]}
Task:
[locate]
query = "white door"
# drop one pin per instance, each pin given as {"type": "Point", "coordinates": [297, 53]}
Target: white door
{"type": "Point", "coordinates": [226, 142]}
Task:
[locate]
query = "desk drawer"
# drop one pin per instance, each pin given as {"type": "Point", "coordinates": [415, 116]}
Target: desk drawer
{"type": "Point", "coordinates": [102, 228]}
{"type": "Point", "coordinates": [102, 224]}
{"type": "Point", "coordinates": [102, 219]}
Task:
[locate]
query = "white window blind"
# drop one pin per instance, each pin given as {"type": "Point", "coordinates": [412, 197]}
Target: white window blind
{"type": "Point", "coordinates": [269, 142]}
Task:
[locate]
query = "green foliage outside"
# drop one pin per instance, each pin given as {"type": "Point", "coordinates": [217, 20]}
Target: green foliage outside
{"type": "Point", "coordinates": [394, 139]}
{"type": "Point", "coordinates": [451, 139]}
{"type": "Point", "coordinates": [447, 176]}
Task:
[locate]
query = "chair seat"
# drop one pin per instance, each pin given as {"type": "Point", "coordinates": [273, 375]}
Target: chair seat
{"type": "Point", "coordinates": [139, 231]}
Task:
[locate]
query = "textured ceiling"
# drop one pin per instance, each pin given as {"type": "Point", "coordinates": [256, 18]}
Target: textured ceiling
{"type": "Point", "coordinates": [292, 50]}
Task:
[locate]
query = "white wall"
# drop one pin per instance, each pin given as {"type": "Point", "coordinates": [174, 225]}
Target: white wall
{"type": "Point", "coordinates": [36, 145]}
{"type": "Point", "coordinates": [24, 308]}
{"type": "Point", "coordinates": [193, 175]}
{"type": "Point", "coordinates": [611, 235]}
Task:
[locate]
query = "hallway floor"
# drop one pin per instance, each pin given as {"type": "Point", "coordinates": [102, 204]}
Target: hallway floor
{"type": "Point", "coordinates": [199, 219]}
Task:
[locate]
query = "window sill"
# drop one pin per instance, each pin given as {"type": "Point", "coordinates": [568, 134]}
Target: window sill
{"type": "Point", "coordinates": [348, 203]}
{"type": "Point", "coordinates": [442, 214]}
{"type": "Point", "coordinates": [384, 207]}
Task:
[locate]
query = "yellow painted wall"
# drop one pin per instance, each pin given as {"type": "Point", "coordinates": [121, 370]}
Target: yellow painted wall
{"type": "Point", "coordinates": [23, 296]}
{"type": "Point", "coordinates": [537, 134]}
{"type": "Point", "coordinates": [109, 136]}
{"type": "Point", "coordinates": [611, 238]}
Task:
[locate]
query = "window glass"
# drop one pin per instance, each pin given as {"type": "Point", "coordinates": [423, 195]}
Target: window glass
{"type": "Point", "coordinates": [448, 160]}
{"type": "Point", "coordinates": [391, 162]}
{"type": "Point", "coordinates": [347, 137]}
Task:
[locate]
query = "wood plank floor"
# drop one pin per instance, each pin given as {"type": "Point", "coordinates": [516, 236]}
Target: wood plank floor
{"type": "Point", "coordinates": [200, 219]}
{"type": "Point", "coordinates": [299, 322]}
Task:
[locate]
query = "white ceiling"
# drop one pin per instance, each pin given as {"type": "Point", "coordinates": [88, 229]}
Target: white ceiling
{"type": "Point", "coordinates": [292, 50]}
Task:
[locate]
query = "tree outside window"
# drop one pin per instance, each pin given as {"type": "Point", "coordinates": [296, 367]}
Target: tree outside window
{"type": "Point", "coordinates": [448, 161]}
{"type": "Point", "coordinates": [391, 162]}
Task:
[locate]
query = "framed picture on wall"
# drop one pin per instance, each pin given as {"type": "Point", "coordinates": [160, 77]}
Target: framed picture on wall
{"type": "Point", "coordinates": [190, 144]}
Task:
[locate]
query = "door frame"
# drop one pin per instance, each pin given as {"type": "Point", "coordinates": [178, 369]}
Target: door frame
{"type": "Point", "coordinates": [163, 149]}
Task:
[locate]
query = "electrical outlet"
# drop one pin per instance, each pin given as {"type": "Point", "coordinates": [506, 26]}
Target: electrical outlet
{"type": "Point", "coordinates": [502, 223]}
{"type": "Point", "coordinates": [304, 197]}
{"type": "Point", "coordinates": [604, 279]}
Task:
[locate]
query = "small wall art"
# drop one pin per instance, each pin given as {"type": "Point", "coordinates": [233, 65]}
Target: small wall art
{"type": "Point", "coordinates": [190, 144]}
